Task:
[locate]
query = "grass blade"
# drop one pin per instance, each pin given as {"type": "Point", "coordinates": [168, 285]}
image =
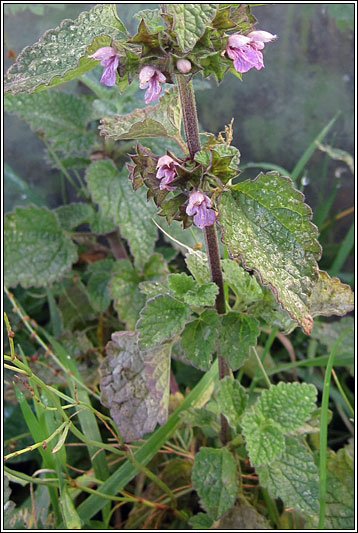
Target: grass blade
{"type": "Point", "coordinates": [323, 430]}
{"type": "Point", "coordinates": [343, 252]}
{"type": "Point", "coordinates": [301, 163]}
{"type": "Point", "coordinates": [121, 477]}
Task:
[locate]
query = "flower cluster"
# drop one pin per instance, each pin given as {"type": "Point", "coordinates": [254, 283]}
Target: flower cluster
{"type": "Point", "coordinates": [245, 50]}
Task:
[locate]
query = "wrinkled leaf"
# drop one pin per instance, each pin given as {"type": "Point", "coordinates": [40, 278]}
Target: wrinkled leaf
{"type": "Point", "coordinates": [237, 333]}
{"type": "Point", "coordinates": [73, 215]}
{"type": "Point", "coordinates": [266, 224]}
{"type": "Point", "coordinates": [61, 54]}
{"type": "Point", "coordinates": [198, 339]}
{"type": "Point", "coordinates": [288, 404]}
{"type": "Point", "coordinates": [215, 480]}
{"type": "Point", "coordinates": [231, 397]}
{"type": "Point", "coordinates": [264, 438]}
{"type": "Point", "coordinates": [135, 384]}
{"type": "Point", "coordinates": [161, 319]}
{"type": "Point", "coordinates": [180, 284]}
{"type": "Point", "coordinates": [330, 296]}
{"type": "Point", "coordinates": [294, 478]}
{"type": "Point", "coordinates": [38, 250]}
{"type": "Point", "coordinates": [159, 120]}
{"type": "Point", "coordinates": [190, 22]}
{"type": "Point", "coordinates": [61, 117]}
{"type": "Point", "coordinates": [124, 287]}
{"type": "Point", "coordinates": [113, 192]}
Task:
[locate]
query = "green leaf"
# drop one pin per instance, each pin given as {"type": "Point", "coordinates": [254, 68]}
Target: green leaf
{"type": "Point", "coordinates": [190, 22]}
{"type": "Point", "coordinates": [73, 215]}
{"type": "Point", "coordinates": [242, 517]}
{"type": "Point", "coordinates": [264, 438]}
{"type": "Point", "coordinates": [293, 478]}
{"type": "Point", "coordinates": [70, 516]}
{"type": "Point", "coordinates": [231, 397]}
{"type": "Point", "coordinates": [124, 287]}
{"type": "Point", "coordinates": [135, 384]}
{"type": "Point", "coordinates": [198, 265]}
{"type": "Point", "coordinates": [161, 319]}
{"type": "Point", "coordinates": [205, 295]}
{"type": "Point", "coordinates": [180, 284]}
{"type": "Point", "coordinates": [203, 418]}
{"type": "Point", "coordinates": [215, 480]}
{"type": "Point", "coordinates": [98, 292]}
{"type": "Point", "coordinates": [198, 339]}
{"type": "Point", "coordinates": [160, 120]}
{"type": "Point", "coordinates": [151, 17]}
{"type": "Point", "coordinates": [288, 404]}
{"type": "Point", "coordinates": [113, 192]}
{"type": "Point", "coordinates": [237, 333]}
{"type": "Point", "coordinates": [246, 287]}
{"type": "Point", "coordinates": [61, 54]}
{"type": "Point", "coordinates": [25, 193]}
{"type": "Point", "coordinates": [61, 117]}
{"type": "Point", "coordinates": [201, 521]}
{"type": "Point", "coordinates": [330, 296]}
{"type": "Point", "coordinates": [266, 224]}
{"type": "Point", "coordinates": [75, 306]}
{"type": "Point", "coordinates": [38, 251]}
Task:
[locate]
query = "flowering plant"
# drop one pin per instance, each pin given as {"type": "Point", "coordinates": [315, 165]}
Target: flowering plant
{"type": "Point", "coordinates": [105, 275]}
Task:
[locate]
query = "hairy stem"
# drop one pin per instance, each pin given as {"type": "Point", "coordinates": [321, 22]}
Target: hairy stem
{"type": "Point", "coordinates": [191, 128]}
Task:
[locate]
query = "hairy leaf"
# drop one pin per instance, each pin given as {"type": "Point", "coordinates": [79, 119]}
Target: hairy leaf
{"type": "Point", "coordinates": [135, 384]}
{"type": "Point", "coordinates": [266, 223]}
{"type": "Point", "coordinates": [38, 250]}
{"type": "Point", "coordinates": [215, 480]}
{"type": "Point", "coordinates": [73, 215]}
{"type": "Point", "coordinates": [288, 404]}
{"type": "Point", "coordinates": [61, 54]}
{"type": "Point", "coordinates": [198, 265]}
{"type": "Point", "coordinates": [161, 319]}
{"type": "Point", "coordinates": [330, 296]}
{"type": "Point", "coordinates": [231, 397]}
{"type": "Point", "coordinates": [180, 284]}
{"type": "Point", "coordinates": [159, 120]}
{"type": "Point", "coordinates": [113, 192]}
{"type": "Point", "coordinates": [264, 438]}
{"type": "Point", "coordinates": [237, 333]}
{"type": "Point", "coordinates": [124, 287]}
{"type": "Point", "coordinates": [185, 287]}
{"type": "Point", "coordinates": [61, 117]}
{"type": "Point", "coordinates": [198, 339]}
{"type": "Point", "coordinates": [190, 22]}
{"type": "Point", "coordinates": [246, 287]}
{"type": "Point", "coordinates": [293, 478]}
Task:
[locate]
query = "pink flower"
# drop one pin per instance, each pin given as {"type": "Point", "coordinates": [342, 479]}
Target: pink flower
{"type": "Point", "coordinates": [184, 66]}
{"type": "Point", "coordinates": [150, 78]}
{"type": "Point", "coordinates": [109, 60]}
{"type": "Point", "coordinates": [166, 172]}
{"type": "Point", "coordinates": [244, 50]}
{"type": "Point", "coordinates": [199, 205]}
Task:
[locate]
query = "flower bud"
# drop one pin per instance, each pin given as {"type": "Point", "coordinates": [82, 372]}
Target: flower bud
{"type": "Point", "coordinates": [184, 66]}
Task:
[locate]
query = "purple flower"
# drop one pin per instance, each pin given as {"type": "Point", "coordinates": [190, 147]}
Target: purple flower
{"type": "Point", "coordinates": [109, 60]}
{"type": "Point", "coordinates": [199, 205]}
{"type": "Point", "coordinates": [166, 172]}
{"type": "Point", "coordinates": [150, 78]}
{"type": "Point", "coordinates": [244, 50]}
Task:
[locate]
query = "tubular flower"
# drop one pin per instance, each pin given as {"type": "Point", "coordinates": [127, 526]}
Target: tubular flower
{"type": "Point", "coordinates": [199, 205]}
{"type": "Point", "coordinates": [109, 60]}
{"type": "Point", "coordinates": [150, 78]}
{"type": "Point", "coordinates": [166, 172]}
{"type": "Point", "coordinates": [245, 50]}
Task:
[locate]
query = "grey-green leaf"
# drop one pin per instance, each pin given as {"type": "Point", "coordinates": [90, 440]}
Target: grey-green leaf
{"type": "Point", "coordinates": [112, 190]}
{"type": "Point", "coordinates": [293, 478]}
{"type": "Point", "coordinates": [330, 296]}
{"type": "Point", "coordinates": [159, 120]}
{"type": "Point", "coordinates": [237, 333]}
{"type": "Point", "coordinates": [61, 117]}
{"type": "Point", "coordinates": [73, 215]}
{"type": "Point", "coordinates": [288, 404]}
{"type": "Point", "coordinates": [161, 319]}
{"type": "Point", "coordinates": [37, 250]}
{"type": "Point", "coordinates": [198, 339]}
{"type": "Point", "coordinates": [231, 397]}
{"type": "Point", "coordinates": [190, 22]}
{"type": "Point", "coordinates": [266, 223]}
{"type": "Point", "coordinates": [264, 438]}
{"type": "Point", "coordinates": [135, 384]}
{"type": "Point", "coordinates": [215, 480]}
{"type": "Point", "coordinates": [62, 54]}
